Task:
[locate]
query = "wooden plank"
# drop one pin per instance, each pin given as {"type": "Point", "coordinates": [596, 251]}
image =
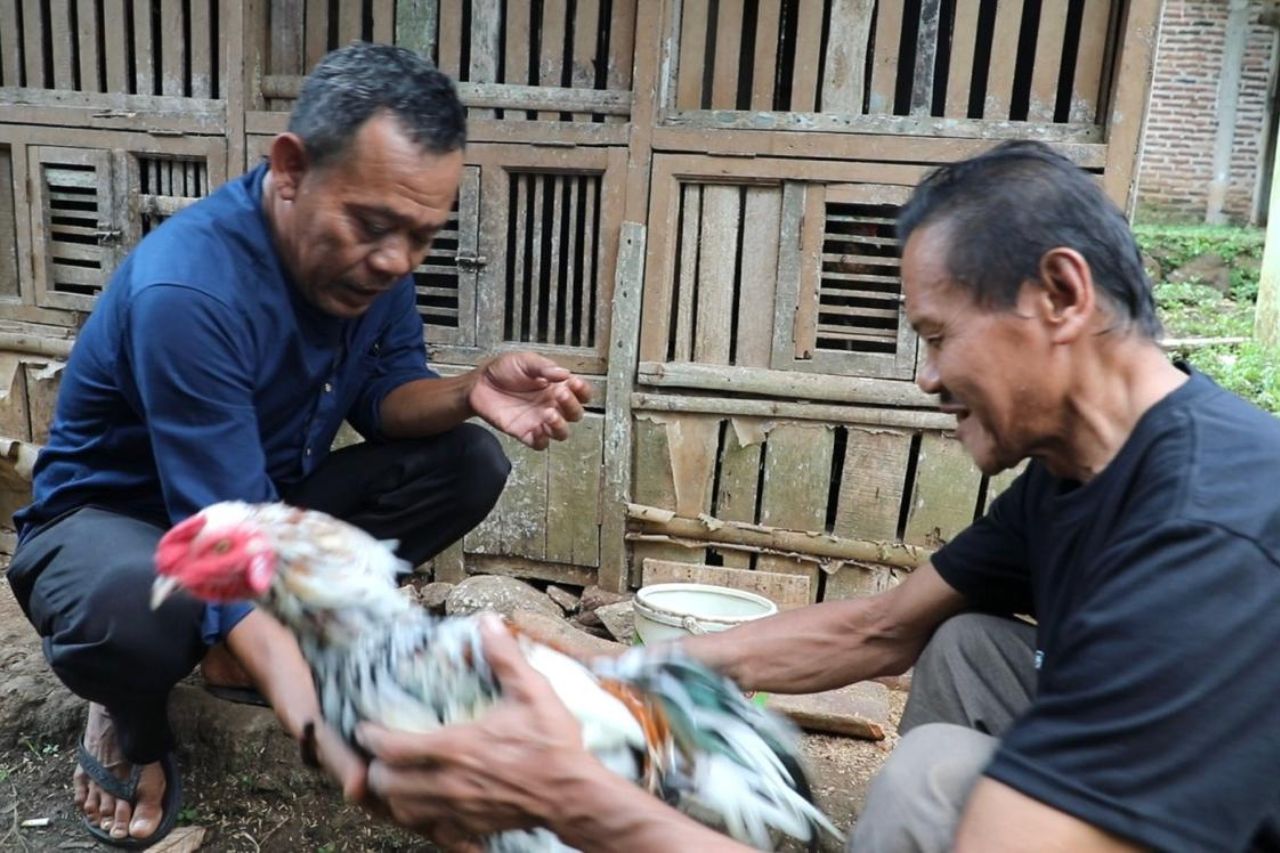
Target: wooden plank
{"type": "Point", "coordinates": [523, 213]}
{"type": "Point", "coordinates": [288, 43]}
{"type": "Point", "coordinates": [926, 58]}
{"type": "Point", "coordinates": [533, 308]}
{"type": "Point", "coordinates": [762, 219]}
{"type": "Point", "coordinates": [1136, 64]}
{"type": "Point", "coordinates": [10, 282]}
{"type": "Point", "coordinates": [690, 229]}
{"type": "Point", "coordinates": [61, 38]}
{"type": "Point", "coordinates": [243, 62]}
{"type": "Point", "coordinates": [884, 63]}
{"type": "Point", "coordinates": [783, 383]}
{"type": "Point", "coordinates": [944, 495]}
{"type": "Point", "coordinates": [1000, 76]}
{"type": "Point", "coordinates": [622, 44]}
{"type": "Point", "coordinates": [964, 38]}
{"type": "Point", "coordinates": [551, 48]}
{"type": "Point", "coordinates": [739, 479]}
{"type": "Point", "coordinates": [863, 416]}
{"type": "Point", "coordinates": [555, 283]}
{"type": "Point", "coordinates": [726, 65]}
{"type": "Point", "coordinates": [384, 21]}
{"type": "Point", "coordinates": [804, 331]}
{"type": "Point", "coordinates": [204, 54]}
{"type": "Point", "coordinates": [872, 478]}
{"type": "Point", "coordinates": [144, 60]}
{"type": "Point", "coordinates": [15, 421]}
{"type": "Point", "coordinates": [517, 526]}
{"type": "Point", "coordinates": [693, 46]}
{"type": "Point", "coordinates": [114, 45]}
{"type": "Point", "coordinates": [790, 242]}
{"type": "Point", "coordinates": [653, 483]}
{"type": "Point", "coordinates": [172, 54]}
{"type": "Point", "coordinates": [765, 67]}
{"type": "Point", "coordinates": [449, 45]}
{"type": "Point", "coordinates": [350, 20]}
{"type": "Point", "coordinates": [1086, 88]}
{"type": "Point", "coordinates": [625, 326]}
{"type": "Point", "coordinates": [806, 70]}
{"type": "Point", "coordinates": [517, 50]}
{"type": "Point", "coordinates": [786, 591]}
{"type": "Point", "coordinates": [416, 22]}
{"type": "Point", "coordinates": [797, 471]}
{"type": "Point", "coordinates": [843, 79]}
{"type": "Point", "coordinates": [593, 276]}
{"type": "Point", "coordinates": [858, 580]}
{"type": "Point", "coordinates": [717, 257]}
{"type": "Point", "coordinates": [33, 44]}
{"type": "Point", "coordinates": [575, 285]}
{"type": "Point", "coordinates": [10, 45]}
{"type": "Point", "coordinates": [586, 36]}
{"type": "Point", "coordinates": [486, 33]}
{"type": "Point", "coordinates": [691, 444]}
{"type": "Point", "coordinates": [573, 494]}
{"type": "Point", "coordinates": [42, 383]}
{"type": "Point", "coordinates": [518, 567]}
{"type": "Point", "coordinates": [1050, 40]}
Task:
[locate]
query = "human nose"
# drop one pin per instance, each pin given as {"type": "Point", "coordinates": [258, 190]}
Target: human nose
{"type": "Point", "coordinates": [927, 377]}
{"type": "Point", "coordinates": [393, 257]}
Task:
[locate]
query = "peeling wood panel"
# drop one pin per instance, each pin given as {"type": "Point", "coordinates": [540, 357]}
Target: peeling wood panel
{"type": "Point", "coordinates": [42, 382]}
{"type": "Point", "coordinates": [945, 493]}
{"type": "Point", "coordinates": [855, 581]}
{"type": "Point", "coordinates": [1000, 81]}
{"type": "Point", "coordinates": [762, 221]}
{"type": "Point", "coordinates": [449, 45]}
{"type": "Point", "coordinates": [726, 67]}
{"type": "Point", "coordinates": [653, 484]}
{"type": "Point", "coordinates": [573, 494]}
{"type": "Point", "coordinates": [690, 229]}
{"type": "Point", "coordinates": [692, 442]}
{"type": "Point", "coordinates": [622, 44]}
{"type": "Point", "coordinates": [884, 68]}
{"type": "Point", "coordinates": [797, 476]}
{"type": "Point", "coordinates": [416, 25]}
{"type": "Point", "coordinates": [765, 69]}
{"type": "Point", "coordinates": [1086, 89]}
{"type": "Point", "coordinates": [871, 483]}
{"type": "Point", "coordinates": [926, 58]}
{"type": "Point", "coordinates": [843, 79]}
{"type": "Point", "coordinates": [739, 481]}
{"type": "Point", "coordinates": [317, 31]}
{"type": "Point", "coordinates": [551, 60]}
{"type": "Point", "coordinates": [717, 254]}
{"type": "Point", "coordinates": [15, 421]}
{"type": "Point", "coordinates": [786, 591]}
{"type": "Point", "coordinates": [964, 37]}
{"type": "Point", "coordinates": [61, 37]}
{"type": "Point", "coordinates": [1050, 41]}
{"type": "Point", "coordinates": [693, 47]}
{"type": "Point", "coordinates": [486, 31]}
{"type": "Point", "coordinates": [518, 523]}
{"type": "Point", "coordinates": [805, 71]}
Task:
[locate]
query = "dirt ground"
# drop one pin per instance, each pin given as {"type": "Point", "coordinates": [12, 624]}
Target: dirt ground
{"type": "Point", "coordinates": [244, 786]}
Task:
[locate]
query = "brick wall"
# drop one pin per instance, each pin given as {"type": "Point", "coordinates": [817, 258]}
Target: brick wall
{"type": "Point", "coordinates": [1177, 152]}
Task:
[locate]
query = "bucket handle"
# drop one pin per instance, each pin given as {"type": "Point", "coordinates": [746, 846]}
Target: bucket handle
{"type": "Point", "coordinates": [691, 625]}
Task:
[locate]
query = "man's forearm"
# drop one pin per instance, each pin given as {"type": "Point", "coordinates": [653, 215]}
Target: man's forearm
{"type": "Point", "coordinates": [427, 407]}
{"type": "Point", "coordinates": [271, 657]}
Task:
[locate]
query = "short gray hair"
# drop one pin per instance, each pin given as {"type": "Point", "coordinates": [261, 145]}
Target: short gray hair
{"type": "Point", "coordinates": [352, 84]}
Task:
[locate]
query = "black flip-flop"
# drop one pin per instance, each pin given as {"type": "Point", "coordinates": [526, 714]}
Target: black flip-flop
{"type": "Point", "coordinates": [241, 695]}
{"type": "Point", "coordinates": [127, 790]}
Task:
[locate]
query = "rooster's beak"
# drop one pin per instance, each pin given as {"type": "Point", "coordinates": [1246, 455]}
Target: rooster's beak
{"type": "Point", "coordinates": [162, 589]}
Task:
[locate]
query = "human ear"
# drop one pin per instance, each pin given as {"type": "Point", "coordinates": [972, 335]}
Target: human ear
{"type": "Point", "coordinates": [1067, 300]}
{"type": "Point", "coordinates": [288, 157]}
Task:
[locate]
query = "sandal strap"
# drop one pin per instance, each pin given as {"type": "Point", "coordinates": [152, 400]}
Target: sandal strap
{"type": "Point", "coordinates": [121, 789]}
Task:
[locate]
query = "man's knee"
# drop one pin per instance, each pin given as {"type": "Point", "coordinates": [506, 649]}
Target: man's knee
{"type": "Point", "coordinates": [485, 471]}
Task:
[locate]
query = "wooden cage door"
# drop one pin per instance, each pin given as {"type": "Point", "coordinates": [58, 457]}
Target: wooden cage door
{"type": "Point", "coordinates": [446, 279]}
{"type": "Point", "coordinates": [74, 224]}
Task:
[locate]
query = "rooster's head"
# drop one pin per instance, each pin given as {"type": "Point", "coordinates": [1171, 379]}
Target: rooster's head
{"type": "Point", "coordinates": [218, 555]}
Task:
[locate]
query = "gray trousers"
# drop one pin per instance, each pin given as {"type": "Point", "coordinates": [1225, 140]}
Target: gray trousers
{"type": "Point", "coordinates": [976, 675]}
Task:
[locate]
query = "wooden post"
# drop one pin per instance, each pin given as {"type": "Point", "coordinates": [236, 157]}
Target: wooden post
{"type": "Point", "coordinates": [1228, 100]}
{"type": "Point", "coordinates": [1266, 323]}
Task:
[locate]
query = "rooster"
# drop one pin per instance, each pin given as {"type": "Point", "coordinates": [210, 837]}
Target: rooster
{"type": "Point", "coordinates": [683, 732]}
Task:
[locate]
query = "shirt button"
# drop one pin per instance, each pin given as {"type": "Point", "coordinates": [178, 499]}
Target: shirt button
{"type": "Point", "coordinates": [327, 387]}
{"type": "Point", "coordinates": [307, 451]}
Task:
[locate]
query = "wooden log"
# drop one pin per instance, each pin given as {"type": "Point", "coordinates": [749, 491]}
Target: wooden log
{"type": "Point", "coordinates": [819, 545]}
{"type": "Point", "coordinates": [917, 126]}
{"type": "Point", "coordinates": [786, 591]}
{"type": "Point", "coordinates": [783, 409]}
{"type": "Point", "coordinates": [781, 383]}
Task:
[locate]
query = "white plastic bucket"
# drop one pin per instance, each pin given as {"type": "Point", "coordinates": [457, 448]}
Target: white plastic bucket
{"type": "Point", "coordinates": [668, 611]}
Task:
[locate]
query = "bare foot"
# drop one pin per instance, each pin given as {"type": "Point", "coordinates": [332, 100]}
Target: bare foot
{"type": "Point", "coordinates": [118, 817]}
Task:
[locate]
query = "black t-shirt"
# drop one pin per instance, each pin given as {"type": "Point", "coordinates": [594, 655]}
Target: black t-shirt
{"type": "Point", "coordinates": [1156, 587]}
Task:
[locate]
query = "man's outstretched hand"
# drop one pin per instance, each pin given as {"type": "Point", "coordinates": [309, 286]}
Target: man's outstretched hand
{"type": "Point", "coordinates": [529, 397]}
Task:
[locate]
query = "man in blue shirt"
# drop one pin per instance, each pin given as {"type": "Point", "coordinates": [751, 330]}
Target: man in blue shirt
{"type": "Point", "coordinates": [219, 364]}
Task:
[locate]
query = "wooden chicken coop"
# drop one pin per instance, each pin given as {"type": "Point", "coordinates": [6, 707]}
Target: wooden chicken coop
{"type": "Point", "coordinates": [690, 202]}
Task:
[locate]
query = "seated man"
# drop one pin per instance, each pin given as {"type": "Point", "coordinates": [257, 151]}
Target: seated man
{"type": "Point", "coordinates": [1138, 711]}
{"type": "Point", "coordinates": [219, 364]}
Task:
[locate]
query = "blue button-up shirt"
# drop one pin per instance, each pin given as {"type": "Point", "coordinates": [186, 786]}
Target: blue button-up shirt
{"type": "Point", "coordinates": [204, 375]}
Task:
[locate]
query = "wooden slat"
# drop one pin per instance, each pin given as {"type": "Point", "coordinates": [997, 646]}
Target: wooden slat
{"type": "Point", "coordinates": [926, 56]}
{"type": "Point", "coordinates": [718, 247]}
{"type": "Point", "coordinates": [551, 49]}
{"type": "Point", "coordinates": [871, 482]}
{"type": "Point", "coordinates": [806, 70]}
{"type": "Point", "coordinates": [574, 332]}
{"type": "Point", "coordinates": [1048, 62]}
{"type": "Point", "coordinates": [573, 494]}
{"type": "Point", "coordinates": [555, 284]}
{"type": "Point", "coordinates": [449, 45]}
{"type": "Point", "coordinates": [586, 32]}
{"type": "Point", "coordinates": [762, 221]}
{"type": "Point", "coordinates": [739, 480]}
{"type": "Point", "coordinates": [537, 191]}
{"type": "Point", "coordinates": [690, 229]}
{"type": "Point", "coordinates": [622, 44]}
{"type": "Point", "coordinates": [62, 37]}
{"type": "Point", "coordinates": [204, 54]}
{"type": "Point", "coordinates": [1086, 88]}
{"type": "Point", "coordinates": [964, 36]}
{"type": "Point", "coordinates": [9, 284]}
{"type": "Point", "coordinates": [590, 260]}
{"type": "Point", "coordinates": [843, 80]}
{"type": "Point", "coordinates": [115, 45]}
{"type": "Point", "coordinates": [172, 56]}
{"type": "Point", "coordinates": [765, 67]}
{"type": "Point", "coordinates": [10, 45]}
{"type": "Point", "coordinates": [797, 473]}
{"type": "Point", "coordinates": [384, 21]}
{"type": "Point", "coordinates": [786, 591]}
{"type": "Point", "coordinates": [804, 330]}
{"type": "Point", "coordinates": [945, 493]}
{"type": "Point", "coordinates": [727, 67]}
{"type": "Point", "coordinates": [144, 61]}
{"type": "Point", "coordinates": [693, 58]}
{"type": "Point", "coordinates": [653, 483]}
{"type": "Point", "coordinates": [288, 46]}
{"type": "Point", "coordinates": [350, 18]}
{"type": "Point", "coordinates": [33, 43]}
{"type": "Point", "coordinates": [1004, 42]}
{"type": "Point", "coordinates": [1135, 65]}
{"type": "Point", "coordinates": [416, 25]}
{"type": "Point", "coordinates": [486, 32]}
{"type": "Point", "coordinates": [884, 66]}
{"type": "Point", "coordinates": [517, 49]}
{"type": "Point", "coordinates": [523, 214]}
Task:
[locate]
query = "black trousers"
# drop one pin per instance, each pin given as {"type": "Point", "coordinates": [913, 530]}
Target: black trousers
{"type": "Point", "coordinates": [85, 581]}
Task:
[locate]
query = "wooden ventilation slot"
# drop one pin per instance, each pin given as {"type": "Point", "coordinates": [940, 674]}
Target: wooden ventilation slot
{"type": "Point", "coordinates": [553, 243]}
{"type": "Point", "coordinates": [166, 185]}
{"type": "Point", "coordinates": [860, 289]}
{"type": "Point", "coordinates": [72, 212]}
{"type": "Point", "coordinates": [436, 280]}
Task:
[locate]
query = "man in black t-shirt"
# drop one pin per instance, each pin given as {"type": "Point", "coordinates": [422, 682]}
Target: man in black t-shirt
{"type": "Point", "coordinates": [1134, 705]}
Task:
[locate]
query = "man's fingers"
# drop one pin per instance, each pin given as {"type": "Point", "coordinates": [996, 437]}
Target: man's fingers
{"type": "Point", "coordinates": [400, 748]}
{"type": "Point", "coordinates": [502, 652]}
{"type": "Point", "coordinates": [341, 762]}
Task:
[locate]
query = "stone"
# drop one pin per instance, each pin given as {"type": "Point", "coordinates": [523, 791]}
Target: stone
{"type": "Point", "coordinates": [620, 620]}
{"type": "Point", "coordinates": [561, 634]}
{"type": "Point", "coordinates": [433, 596]}
{"type": "Point", "coordinates": [1209, 269]}
{"type": "Point", "coordinates": [567, 600]}
{"type": "Point", "coordinates": [498, 593]}
{"type": "Point", "coordinates": [594, 597]}
{"type": "Point", "coordinates": [859, 710]}
{"type": "Point", "coordinates": [1153, 267]}
{"type": "Point", "coordinates": [33, 703]}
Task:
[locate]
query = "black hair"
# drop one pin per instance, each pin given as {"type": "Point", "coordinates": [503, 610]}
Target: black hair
{"type": "Point", "coordinates": [1003, 210]}
{"type": "Point", "coordinates": [353, 83]}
